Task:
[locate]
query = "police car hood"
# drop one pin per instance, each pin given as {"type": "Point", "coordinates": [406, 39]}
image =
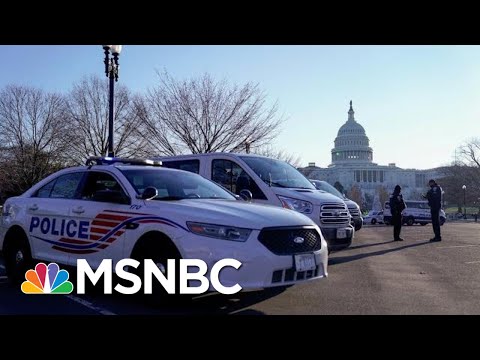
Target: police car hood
{"type": "Point", "coordinates": [316, 197]}
{"type": "Point", "coordinates": [228, 212]}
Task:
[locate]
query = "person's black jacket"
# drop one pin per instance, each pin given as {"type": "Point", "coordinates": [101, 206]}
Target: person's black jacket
{"type": "Point", "coordinates": [397, 205]}
{"type": "Point", "coordinates": [434, 197]}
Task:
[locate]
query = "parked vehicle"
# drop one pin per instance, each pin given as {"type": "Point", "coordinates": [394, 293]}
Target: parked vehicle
{"type": "Point", "coordinates": [122, 208]}
{"type": "Point", "coordinates": [417, 212]}
{"type": "Point", "coordinates": [353, 207]}
{"type": "Point", "coordinates": [374, 217]}
{"type": "Point", "coordinates": [273, 182]}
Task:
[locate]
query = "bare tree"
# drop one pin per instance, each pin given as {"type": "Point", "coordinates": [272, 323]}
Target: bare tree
{"type": "Point", "coordinates": [454, 177]}
{"type": "Point", "coordinates": [464, 171]}
{"type": "Point", "coordinates": [87, 107]}
{"type": "Point", "coordinates": [34, 136]}
{"type": "Point", "coordinates": [282, 155]}
{"type": "Point", "coordinates": [204, 115]}
{"type": "Point", "coordinates": [355, 194]}
{"type": "Point", "coordinates": [383, 195]}
{"type": "Point", "coordinates": [470, 152]}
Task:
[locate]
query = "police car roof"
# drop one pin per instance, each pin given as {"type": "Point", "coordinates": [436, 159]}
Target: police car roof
{"type": "Point", "coordinates": [106, 160]}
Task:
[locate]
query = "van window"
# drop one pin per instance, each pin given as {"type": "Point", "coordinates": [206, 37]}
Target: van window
{"type": "Point", "coordinates": [187, 165]}
{"type": "Point", "coordinates": [231, 176]}
{"type": "Point", "coordinates": [277, 173]}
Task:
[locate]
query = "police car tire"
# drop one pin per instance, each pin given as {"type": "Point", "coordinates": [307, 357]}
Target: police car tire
{"type": "Point", "coordinates": [410, 221]}
{"type": "Point", "coordinates": [159, 249]}
{"type": "Point", "coordinates": [17, 247]}
{"type": "Point", "coordinates": [374, 221]}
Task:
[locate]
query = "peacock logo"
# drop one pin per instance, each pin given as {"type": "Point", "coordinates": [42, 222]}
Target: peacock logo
{"type": "Point", "coordinates": [47, 280]}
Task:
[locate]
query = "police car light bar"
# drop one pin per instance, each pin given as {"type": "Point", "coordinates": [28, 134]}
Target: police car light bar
{"type": "Point", "coordinates": [105, 160]}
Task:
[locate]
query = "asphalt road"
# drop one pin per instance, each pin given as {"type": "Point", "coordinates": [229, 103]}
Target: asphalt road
{"type": "Point", "coordinates": [374, 276]}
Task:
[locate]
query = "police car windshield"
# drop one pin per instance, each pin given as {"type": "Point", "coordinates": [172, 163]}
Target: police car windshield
{"type": "Point", "coordinates": [277, 173]}
{"type": "Point", "coordinates": [175, 185]}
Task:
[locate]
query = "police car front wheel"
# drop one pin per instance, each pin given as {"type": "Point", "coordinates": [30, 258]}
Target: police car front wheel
{"type": "Point", "coordinates": [158, 248]}
{"type": "Point", "coordinates": [18, 257]}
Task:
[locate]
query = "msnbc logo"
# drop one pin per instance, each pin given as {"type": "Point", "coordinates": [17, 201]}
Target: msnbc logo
{"type": "Point", "coordinates": [47, 280]}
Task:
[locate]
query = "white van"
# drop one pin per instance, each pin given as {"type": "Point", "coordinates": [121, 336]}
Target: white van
{"type": "Point", "coordinates": [417, 212]}
{"type": "Point", "coordinates": [353, 208]}
{"type": "Point", "coordinates": [272, 182]}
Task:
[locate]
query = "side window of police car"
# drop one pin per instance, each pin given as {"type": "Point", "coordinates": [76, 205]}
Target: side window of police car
{"type": "Point", "coordinates": [102, 187]}
{"type": "Point", "coordinates": [63, 187]}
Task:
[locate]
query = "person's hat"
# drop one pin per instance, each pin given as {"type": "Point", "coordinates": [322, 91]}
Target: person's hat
{"type": "Point", "coordinates": [398, 188]}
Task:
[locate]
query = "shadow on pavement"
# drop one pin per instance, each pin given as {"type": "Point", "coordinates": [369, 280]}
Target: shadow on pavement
{"type": "Point", "coordinates": [212, 303]}
{"type": "Point", "coordinates": [220, 304]}
{"type": "Point", "coordinates": [345, 259]}
{"type": "Point", "coordinates": [366, 245]}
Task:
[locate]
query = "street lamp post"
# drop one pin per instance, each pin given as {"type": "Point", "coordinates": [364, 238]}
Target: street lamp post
{"type": "Point", "coordinates": [464, 187]}
{"type": "Point", "coordinates": [111, 71]}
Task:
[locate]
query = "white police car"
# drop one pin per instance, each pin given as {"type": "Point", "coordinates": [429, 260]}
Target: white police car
{"type": "Point", "coordinates": [124, 208]}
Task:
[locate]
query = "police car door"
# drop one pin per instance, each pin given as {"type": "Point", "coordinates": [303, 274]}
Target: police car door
{"type": "Point", "coordinates": [100, 210]}
{"type": "Point", "coordinates": [48, 220]}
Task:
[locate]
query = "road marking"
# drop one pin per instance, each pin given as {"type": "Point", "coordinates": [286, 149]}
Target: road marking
{"type": "Point", "coordinates": [456, 246]}
{"type": "Point", "coordinates": [90, 305]}
{"type": "Point", "coordinates": [473, 262]}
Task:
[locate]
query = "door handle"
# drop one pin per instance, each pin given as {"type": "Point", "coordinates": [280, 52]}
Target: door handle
{"type": "Point", "coordinates": [33, 207]}
{"type": "Point", "coordinates": [78, 210]}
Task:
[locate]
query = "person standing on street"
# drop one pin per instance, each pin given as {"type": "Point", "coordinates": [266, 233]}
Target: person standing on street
{"type": "Point", "coordinates": [434, 197]}
{"type": "Point", "coordinates": [397, 205]}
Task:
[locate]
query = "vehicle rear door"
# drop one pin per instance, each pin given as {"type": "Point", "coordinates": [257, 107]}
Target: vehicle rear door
{"type": "Point", "coordinates": [101, 213]}
{"type": "Point", "coordinates": [48, 217]}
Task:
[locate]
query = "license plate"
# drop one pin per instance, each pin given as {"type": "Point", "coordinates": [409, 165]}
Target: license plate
{"type": "Point", "coordinates": [305, 262]}
{"type": "Point", "coordinates": [341, 233]}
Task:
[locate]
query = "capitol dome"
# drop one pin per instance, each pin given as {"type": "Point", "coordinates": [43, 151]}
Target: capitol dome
{"type": "Point", "coordinates": [351, 144]}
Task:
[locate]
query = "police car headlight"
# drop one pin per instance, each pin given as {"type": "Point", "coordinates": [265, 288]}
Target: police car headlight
{"type": "Point", "coordinates": [302, 206]}
{"type": "Point", "coordinates": [220, 231]}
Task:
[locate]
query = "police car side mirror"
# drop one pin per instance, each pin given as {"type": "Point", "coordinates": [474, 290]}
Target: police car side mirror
{"type": "Point", "coordinates": [149, 193]}
{"type": "Point", "coordinates": [246, 195]}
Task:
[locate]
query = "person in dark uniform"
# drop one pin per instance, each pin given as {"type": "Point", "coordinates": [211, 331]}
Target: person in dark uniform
{"type": "Point", "coordinates": [397, 205]}
{"type": "Point", "coordinates": [434, 197]}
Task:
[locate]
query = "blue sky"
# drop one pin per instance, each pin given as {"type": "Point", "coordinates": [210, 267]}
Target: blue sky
{"type": "Point", "coordinates": [417, 103]}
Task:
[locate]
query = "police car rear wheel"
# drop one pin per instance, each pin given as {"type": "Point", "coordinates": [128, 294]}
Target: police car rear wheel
{"type": "Point", "coordinates": [18, 258]}
{"type": "Point", "coordinates": [374, 221]}
{"type": "Point", "coordinates": [410, 221]}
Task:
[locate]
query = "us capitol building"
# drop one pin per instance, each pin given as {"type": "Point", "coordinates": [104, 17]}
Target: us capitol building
{"type": "Point", "coordinates": [352, 164]}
